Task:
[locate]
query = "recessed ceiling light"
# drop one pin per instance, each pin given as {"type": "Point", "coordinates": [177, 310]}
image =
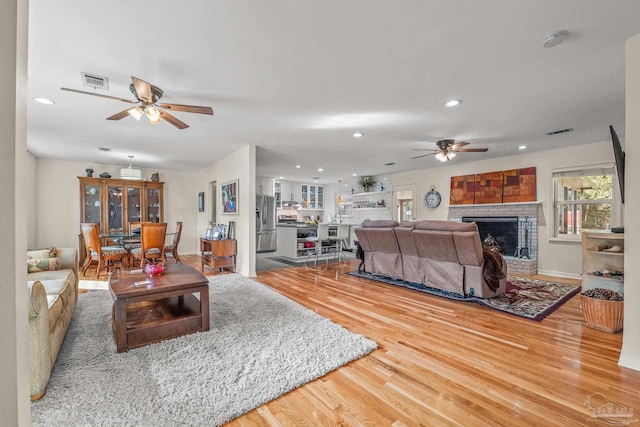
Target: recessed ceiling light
{"type": "Point", "coordinates": [320, 170]}
{"type": "Point", "coordinates": [354, 174]}
{"type": "Point", "coordinates": [358, 135]}
{"type": "Point", "coordinates": [522, 147]}
{"type": "Point", "coordinates": [298, 166]}
{"type": "Point", "coordinates": [453, 103]}
{"type": "Point", "coordinates": [44, 101]}
{"type": "Point", "coordinates": [316, 180]}
{"type": "Point", "coordinates": [282, 177]}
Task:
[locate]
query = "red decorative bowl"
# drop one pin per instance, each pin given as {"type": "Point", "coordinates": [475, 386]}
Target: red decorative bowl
{"type": "Point", "coordinates": [155, 269]}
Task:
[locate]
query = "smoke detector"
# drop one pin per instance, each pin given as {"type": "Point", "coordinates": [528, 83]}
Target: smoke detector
{"type": "Point", "coordinates": [555, 39]}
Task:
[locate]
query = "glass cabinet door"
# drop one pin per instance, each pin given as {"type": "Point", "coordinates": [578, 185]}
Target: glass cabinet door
{"type": "Point", "coordinates": [320, 196]}
{"type": "Point", "coordinates": [154, 213]}
{"type": "Point", "coordinates": [92, 207]}
{"type": "Point", "coordinates": [115, 208]}
{"type": "Point", "coordinates": [305, 195]}
{"type": "Point", "coordinates": [277, 192]}
{"type": "Point", "coordinates": [134, 207]}
{"type": "Point", "coordinates": [312, 197]}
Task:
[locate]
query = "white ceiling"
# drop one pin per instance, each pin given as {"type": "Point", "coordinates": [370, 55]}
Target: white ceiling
{"type": "Point", "coordinates": [297, 78]}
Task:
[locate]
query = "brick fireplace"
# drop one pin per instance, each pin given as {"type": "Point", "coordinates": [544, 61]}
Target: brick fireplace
{"type": "Point", "coordinates": [514, 225]}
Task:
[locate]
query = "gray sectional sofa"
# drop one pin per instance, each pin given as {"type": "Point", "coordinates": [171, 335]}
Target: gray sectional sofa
{"type": "Point", "coordinates": [444, 255]}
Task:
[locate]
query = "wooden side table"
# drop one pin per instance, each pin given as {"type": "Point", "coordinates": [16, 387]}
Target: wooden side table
{"type": "Point", "coordinates": [218, 254]}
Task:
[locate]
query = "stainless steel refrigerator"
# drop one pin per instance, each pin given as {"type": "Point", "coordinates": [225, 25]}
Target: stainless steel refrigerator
{"type": "Point", "coordinates": [265, 223]}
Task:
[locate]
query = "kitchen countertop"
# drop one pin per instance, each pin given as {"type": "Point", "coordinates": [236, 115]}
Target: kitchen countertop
{"type": "Point", "coordinates": [313, 226]}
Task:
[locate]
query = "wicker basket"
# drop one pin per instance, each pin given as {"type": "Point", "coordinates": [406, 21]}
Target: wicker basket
{"type": "Point", "coordinates": [602, 314]}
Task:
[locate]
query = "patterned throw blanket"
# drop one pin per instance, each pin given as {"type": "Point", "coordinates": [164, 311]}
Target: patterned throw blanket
{"type": "Point", "coordinates": [492, 272]}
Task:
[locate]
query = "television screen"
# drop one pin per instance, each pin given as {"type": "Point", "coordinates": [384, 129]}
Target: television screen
{"type": "Point", "coordinates": [619, 158]}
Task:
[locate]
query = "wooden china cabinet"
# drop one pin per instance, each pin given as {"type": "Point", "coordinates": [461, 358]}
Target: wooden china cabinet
{"type": "Point", "coordinates": [114, 203]}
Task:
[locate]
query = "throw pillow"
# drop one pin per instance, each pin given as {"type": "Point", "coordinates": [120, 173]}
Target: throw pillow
{"type": "Point", "coordinates": [44, 264]}
{"type": "Point", "coordinates": [40, 253]}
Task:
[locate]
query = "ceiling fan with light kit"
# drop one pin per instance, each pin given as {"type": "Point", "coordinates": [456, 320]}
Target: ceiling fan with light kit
{"type": "Point", "coordinates": [147, 95]}
{"type": "Point", "coordinates": [447, 149]}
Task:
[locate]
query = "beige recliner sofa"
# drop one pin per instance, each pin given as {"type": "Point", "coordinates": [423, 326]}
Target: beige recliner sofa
{"type": "Point", "coordinates": [53, 298]}
{"type": "Point", "coordinates": [445, 255]}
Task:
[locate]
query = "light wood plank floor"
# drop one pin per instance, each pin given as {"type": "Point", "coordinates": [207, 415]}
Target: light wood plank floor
{"type": "Point", "coordinates": [443, 362]}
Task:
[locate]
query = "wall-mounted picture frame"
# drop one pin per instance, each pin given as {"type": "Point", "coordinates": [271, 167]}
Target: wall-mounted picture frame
{"type": "Point", "coordinates": [229, 192]}
{"type": "Point", "coordinates": [201, 201]}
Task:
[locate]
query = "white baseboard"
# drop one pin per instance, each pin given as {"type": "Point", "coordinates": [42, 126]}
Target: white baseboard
{"type": "Point", "coordinates": [560, 274]}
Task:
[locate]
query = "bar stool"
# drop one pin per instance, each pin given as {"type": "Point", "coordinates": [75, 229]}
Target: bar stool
{"type": "Point", "coordinates": [342, 235]}
{"type": "Point", "coordinates": [322, 236]}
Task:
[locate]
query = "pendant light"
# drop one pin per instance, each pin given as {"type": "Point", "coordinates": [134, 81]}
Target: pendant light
{"type": "Point", "coordinates": [131, 172]}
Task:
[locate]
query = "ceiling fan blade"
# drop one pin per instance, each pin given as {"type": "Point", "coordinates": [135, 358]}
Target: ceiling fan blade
{"type": "Point", "coordinates": [120, 115]}
{"type": "Point", "coordinates": [98, 94]}
{"type": "Point", "coordinates": [173, 120]}
{"type": "Point", "coordinates": [425, 149]}
{"type": "Point", "coordinates": [143, 90]}
{"type": "Point", "coordinates": [188, 108]}
{"type": "Point", "coordinates": [472, 150]}
{"type": "Point", "coordinates": [458, 145]}
{"type": "Point", "coordinates": [424, 155]}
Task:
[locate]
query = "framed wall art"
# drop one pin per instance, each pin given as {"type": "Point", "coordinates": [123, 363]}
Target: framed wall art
{"type": "Point", "coordinates": [229, 193]}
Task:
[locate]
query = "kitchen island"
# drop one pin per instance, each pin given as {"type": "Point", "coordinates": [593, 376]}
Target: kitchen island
{"type": "Point", "coordinates": [292, 240]}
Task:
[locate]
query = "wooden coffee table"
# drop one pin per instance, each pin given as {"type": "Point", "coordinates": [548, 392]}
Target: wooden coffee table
{"type": "Point", "coordinates": [164, 308]}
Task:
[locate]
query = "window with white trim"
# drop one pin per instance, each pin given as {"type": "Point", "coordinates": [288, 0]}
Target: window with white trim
{"type": "Point", "coordinates": [583, 199]}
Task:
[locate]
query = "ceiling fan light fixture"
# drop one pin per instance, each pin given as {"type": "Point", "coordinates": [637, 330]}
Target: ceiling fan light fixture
{"type": "Point", "coordinates": [445, 156]}
{"type": "Point", "coordinates": [136, 112]}
{"type": "Point", "coordinates": [153, 113]}
{"type": "Point", "coordinates": [130, 172]}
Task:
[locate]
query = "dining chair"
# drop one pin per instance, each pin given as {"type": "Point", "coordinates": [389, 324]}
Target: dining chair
{"type": "Point", "coordinates": [173, 248]}
{"type": "Point", "coordinates": [105, 256]}
{"type": "Point", "coordinates": [152, 235]}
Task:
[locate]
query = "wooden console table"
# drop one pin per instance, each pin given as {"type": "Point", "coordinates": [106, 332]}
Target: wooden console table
{"type": "Point", "coordinates": [218, 253]}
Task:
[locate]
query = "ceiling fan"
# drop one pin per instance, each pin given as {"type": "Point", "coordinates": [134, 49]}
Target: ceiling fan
{"type": "Point", "coordinates": [447, 149]}
{"type": "Point", "coordinates": [148, 95]}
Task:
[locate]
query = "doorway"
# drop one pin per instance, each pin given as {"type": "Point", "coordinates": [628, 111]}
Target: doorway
{"type": "Point", "coordinates": [404, 201]}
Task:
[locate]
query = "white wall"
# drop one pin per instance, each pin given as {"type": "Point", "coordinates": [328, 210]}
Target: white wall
{"type": "Point", "coordinates": [15, 184]}
{"type": "Point", "coordinates": [630, 354]}
{"type": "Point", "coordinates": [558, 258]}
{"type": "Point", "coordinates": [240, 165]}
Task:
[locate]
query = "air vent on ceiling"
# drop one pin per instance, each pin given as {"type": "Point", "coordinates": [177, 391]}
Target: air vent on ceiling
{"type": "Point", "coordinates": [560, 131]}
{"type": "Point", "coordinates": [96, 82]}
{"type": "Point", "coordinates": [390, 164]}
{"type": "Point", "coordinates": [105, 149]}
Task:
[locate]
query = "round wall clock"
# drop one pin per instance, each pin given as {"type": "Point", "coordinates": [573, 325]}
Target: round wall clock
{"type": "Point", "coordinates": [432, 198]}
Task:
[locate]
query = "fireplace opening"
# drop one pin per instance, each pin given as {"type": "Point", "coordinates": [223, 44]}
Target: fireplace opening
{"type": "Point", "coordinates": [503, 228]}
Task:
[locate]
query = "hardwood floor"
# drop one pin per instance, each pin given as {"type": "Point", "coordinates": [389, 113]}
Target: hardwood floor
{"type": "Point", "coordinates": [442, 362]}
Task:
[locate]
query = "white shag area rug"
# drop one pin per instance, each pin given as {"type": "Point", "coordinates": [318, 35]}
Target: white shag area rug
{"type": "Point", "coordinates": [260, 346]}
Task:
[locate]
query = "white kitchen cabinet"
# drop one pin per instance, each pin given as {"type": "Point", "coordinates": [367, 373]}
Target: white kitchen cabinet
{"type": "Point", "coordinates": [264, 185]}
{"type": "Point", "coordinates": [312, 196]}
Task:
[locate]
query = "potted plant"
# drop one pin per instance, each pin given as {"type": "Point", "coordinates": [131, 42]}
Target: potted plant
{"type": "Point", "coordinates": [603, 309]}
{"type": "Point", "coordinates": [366, 183]}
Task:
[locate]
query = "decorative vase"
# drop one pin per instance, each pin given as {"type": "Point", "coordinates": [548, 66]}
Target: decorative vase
{"type": "Point", "coordinates": [154, 269]}
{"type": "Point", "coordinates": [155, 177]}
{"type": "Point", "coordinates": [105, 175]}
{"type": "Point", "coordinates": [89, 172]}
